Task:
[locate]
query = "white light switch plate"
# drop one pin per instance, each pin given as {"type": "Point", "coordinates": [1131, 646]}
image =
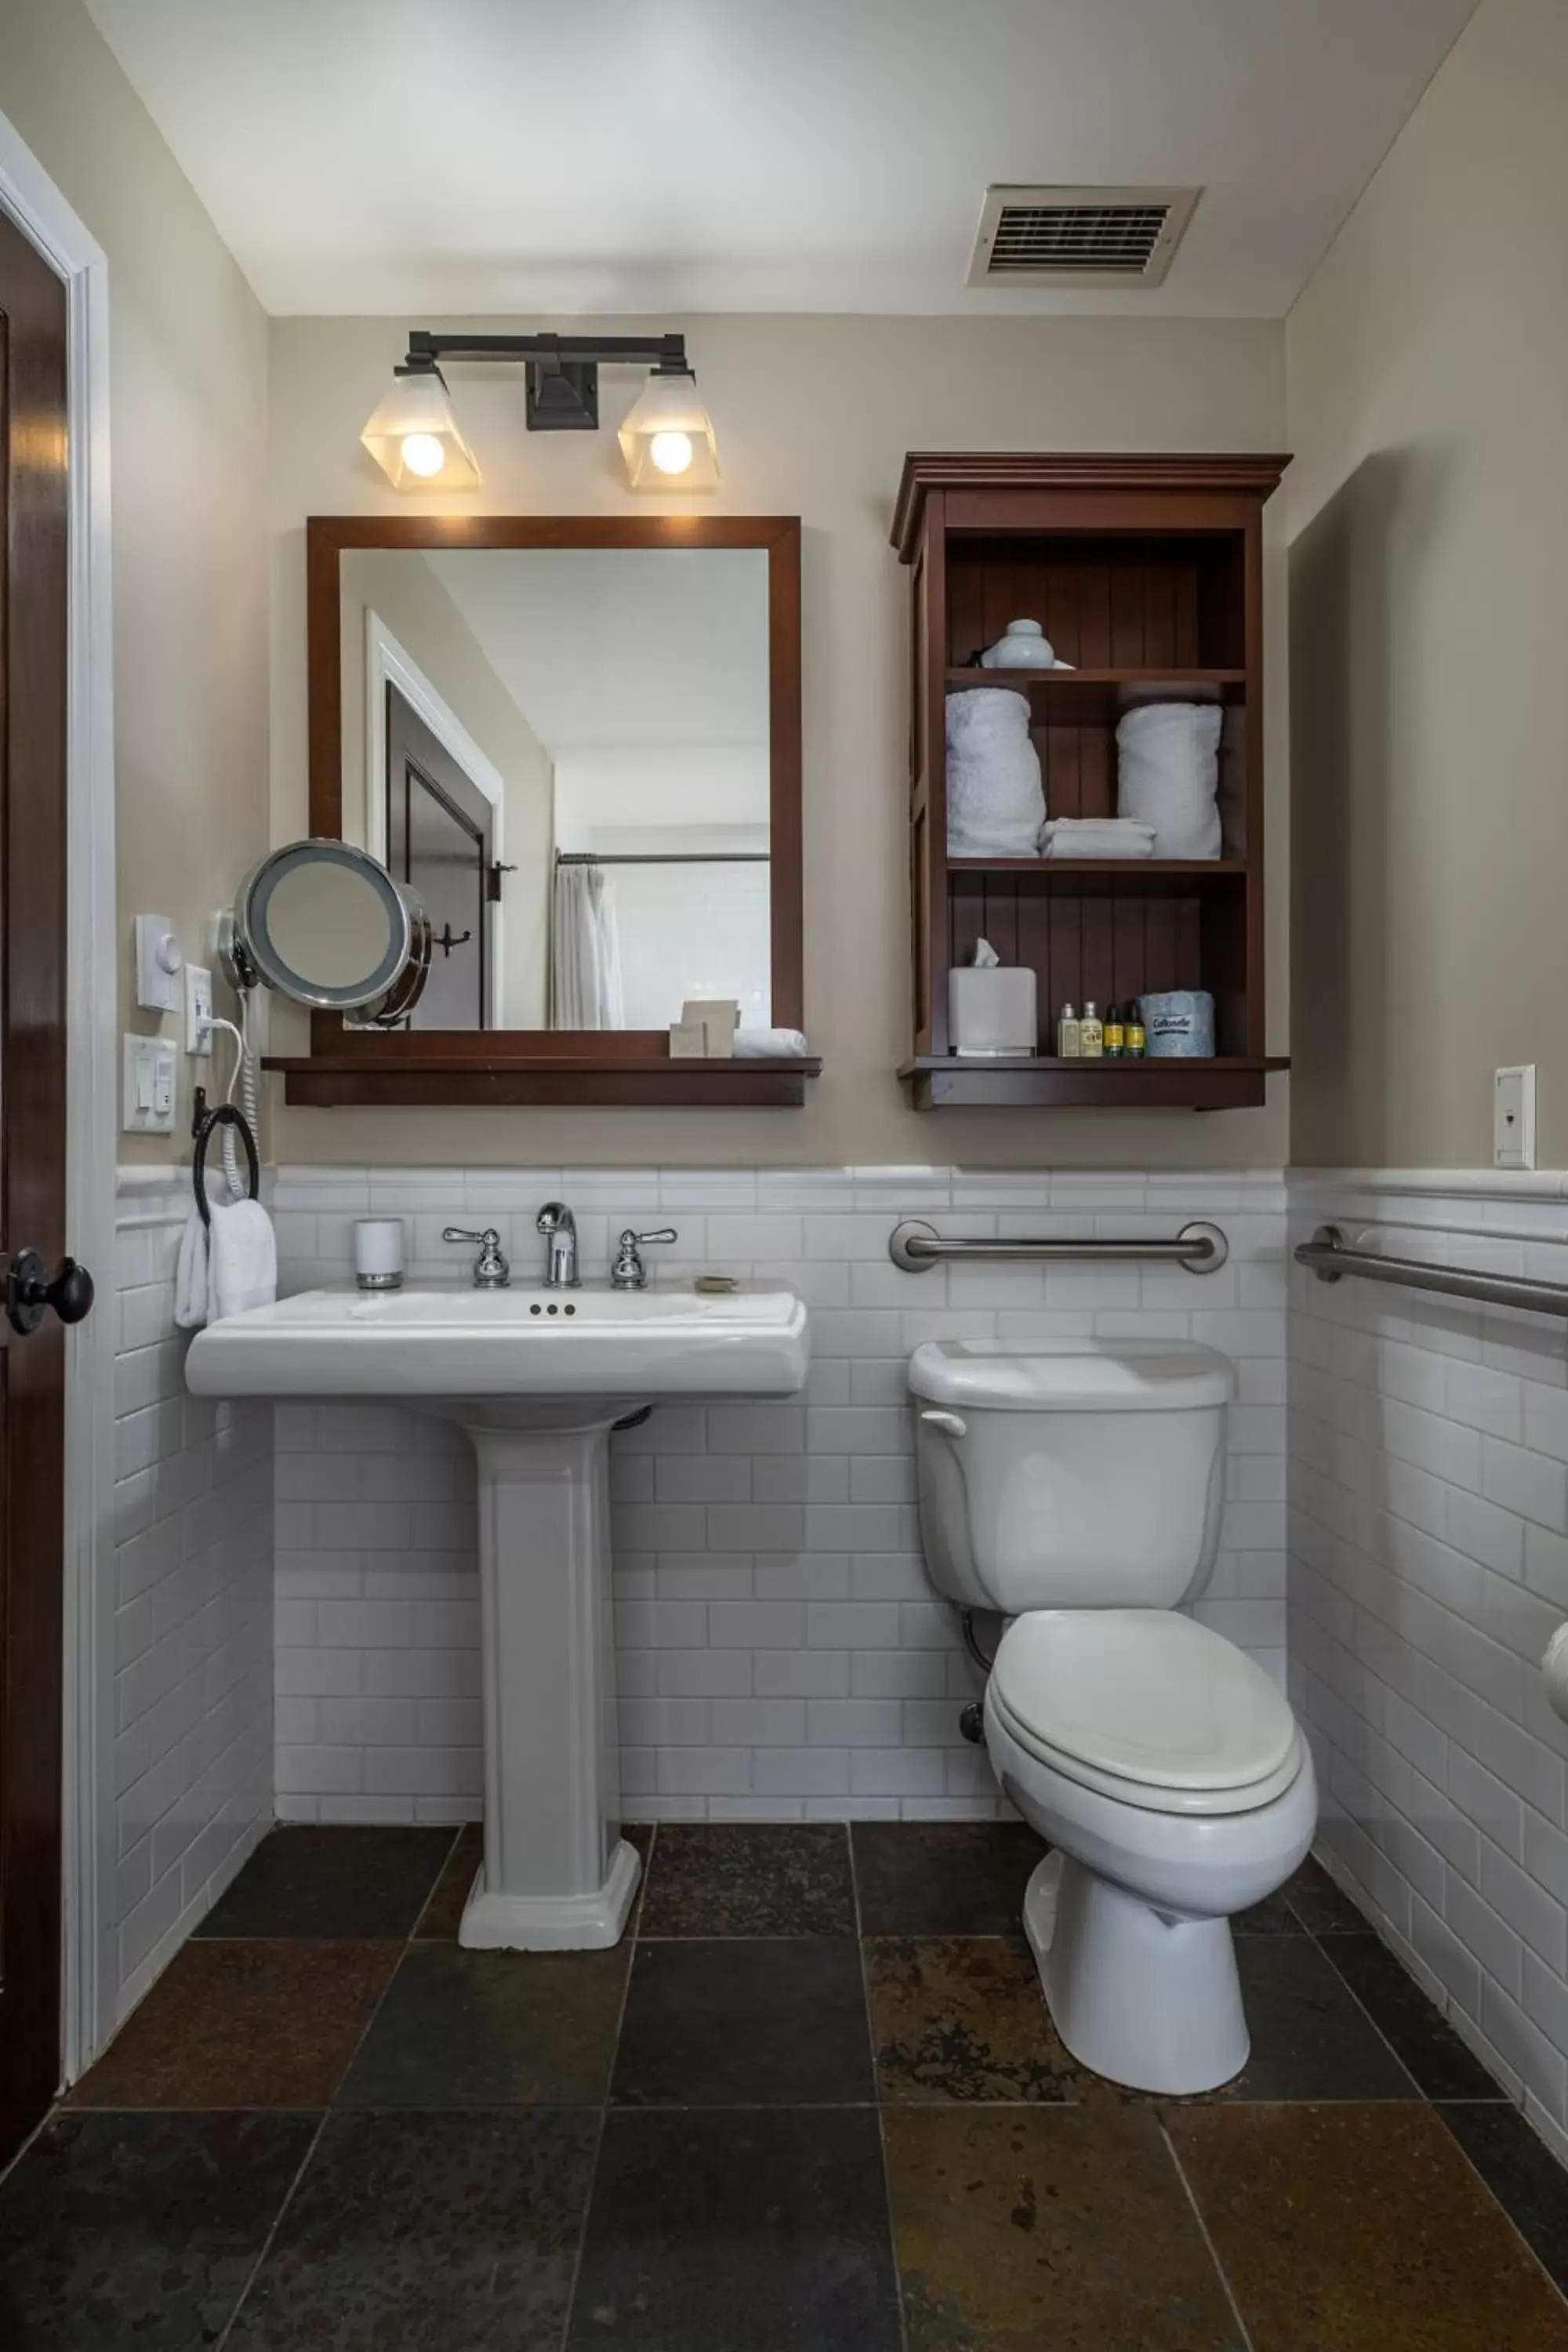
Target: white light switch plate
{"type": "Point", "coordinates": [148, 1082]}
{"type": "Point", "coordinates": [1513, 1117]}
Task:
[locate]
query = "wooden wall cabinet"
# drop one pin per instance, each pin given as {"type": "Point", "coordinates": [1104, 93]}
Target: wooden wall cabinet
{"type": "Point", "coordinates": [1143, 571]}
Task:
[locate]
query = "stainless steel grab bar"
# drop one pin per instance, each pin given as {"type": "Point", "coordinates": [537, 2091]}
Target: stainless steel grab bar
{"type": "Point", "coordinates": [1200, 1247]}
{"type": "Point", "coordinates": [1330, 1256]}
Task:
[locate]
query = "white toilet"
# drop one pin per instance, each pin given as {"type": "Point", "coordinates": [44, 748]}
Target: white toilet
{"type": "Point", "coordinates": [1077, 1487]}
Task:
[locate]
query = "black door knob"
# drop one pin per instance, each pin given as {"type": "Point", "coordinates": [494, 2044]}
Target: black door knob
{"type": "Point", "coordinates": [31, 1291]}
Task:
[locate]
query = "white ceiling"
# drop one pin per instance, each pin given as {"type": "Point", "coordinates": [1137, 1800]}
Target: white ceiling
{"type": "Point", "coordinates": [672, 156]}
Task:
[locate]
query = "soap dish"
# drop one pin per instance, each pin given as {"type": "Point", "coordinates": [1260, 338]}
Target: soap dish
{"type": "Point", "coordinates": [715, 1285]}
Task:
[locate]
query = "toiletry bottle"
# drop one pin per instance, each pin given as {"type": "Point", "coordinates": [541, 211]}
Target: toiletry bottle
{"type": "Point", "coordinates": [1115, 1034]}
{"type": "Point", "coordinates": [1136, 1042]}
{"type": "Point", "coordinates": [1090, 1032]}
{"type": "Point", "coordinates": [1067, 1047]}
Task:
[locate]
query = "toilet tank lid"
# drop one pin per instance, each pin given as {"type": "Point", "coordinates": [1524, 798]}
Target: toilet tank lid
{"type": "Point", "coordinates": [1072, 1375]}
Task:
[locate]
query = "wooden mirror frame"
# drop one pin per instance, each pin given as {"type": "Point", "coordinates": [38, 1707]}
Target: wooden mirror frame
{"type": "Point", "coordinates": [628, 1067]}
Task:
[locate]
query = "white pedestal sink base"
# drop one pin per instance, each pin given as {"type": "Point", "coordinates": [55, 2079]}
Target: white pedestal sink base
{"type": "Point", "coordinates": [557, 1874]}
{"type": "Point", "coordinates": [554, 1923]}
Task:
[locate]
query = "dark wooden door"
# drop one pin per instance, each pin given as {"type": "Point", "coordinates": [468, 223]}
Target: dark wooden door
{"type": "Point", "coordinates": [33, 583]}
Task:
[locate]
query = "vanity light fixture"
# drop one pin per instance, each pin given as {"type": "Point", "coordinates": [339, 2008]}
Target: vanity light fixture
{"type": "Point", "coordinates": [667, 440]}
{"type": "Point", "coordinates": [415, 438]}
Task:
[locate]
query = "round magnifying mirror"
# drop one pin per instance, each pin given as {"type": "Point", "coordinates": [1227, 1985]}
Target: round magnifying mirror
{"type": "Point", "coordinates": [324, 923]}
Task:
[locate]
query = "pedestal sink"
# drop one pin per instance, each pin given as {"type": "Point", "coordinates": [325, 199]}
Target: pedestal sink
{"type": "Point", "coordinates": [538, 1379]}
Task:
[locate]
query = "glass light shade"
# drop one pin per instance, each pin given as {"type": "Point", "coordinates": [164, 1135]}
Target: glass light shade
{"type": "Point", "coordinates": [413, 438]}
{"type": "Point", "coordinates": [668, 439]}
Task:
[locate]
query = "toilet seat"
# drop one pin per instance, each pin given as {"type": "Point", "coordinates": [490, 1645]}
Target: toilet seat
{"type": "Point", "coordinates": [1147, 1707]}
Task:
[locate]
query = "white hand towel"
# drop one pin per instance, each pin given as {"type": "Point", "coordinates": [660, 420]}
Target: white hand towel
{"type": "Point", "coordinates": [244, 1259]}
{"type": "Point", "coordinates": [770, 1044]}
{"type": "Point", "coordinates": [191, 1275]}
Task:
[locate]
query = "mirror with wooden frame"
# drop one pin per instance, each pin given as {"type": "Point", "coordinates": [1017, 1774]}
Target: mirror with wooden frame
{"type": "Point", "coordinates": [576, 741]}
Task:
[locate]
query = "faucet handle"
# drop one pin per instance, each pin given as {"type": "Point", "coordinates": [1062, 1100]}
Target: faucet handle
{"type": "Point", "coordinates": [628, 1271]}
{"type": "Point", "coordinates": [492, 1271]}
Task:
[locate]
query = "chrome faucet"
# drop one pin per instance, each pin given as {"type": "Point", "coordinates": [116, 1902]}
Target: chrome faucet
{"type": "Point", "coordinates": [628, 1271]}
{"type": "Point", "coordinates": [559, 1226]}
{"type": "Point", "coordinates": [491, 1271]}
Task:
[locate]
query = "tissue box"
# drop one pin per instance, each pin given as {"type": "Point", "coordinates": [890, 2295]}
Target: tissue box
{"type": "Point", "coordinates": [991, 1011]}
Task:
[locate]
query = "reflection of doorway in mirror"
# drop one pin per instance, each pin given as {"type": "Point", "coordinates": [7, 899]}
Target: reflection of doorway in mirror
{"type": "Point", "coordinates": [439, 840]}
{"type": "Point", "coordinates": [435, 801]}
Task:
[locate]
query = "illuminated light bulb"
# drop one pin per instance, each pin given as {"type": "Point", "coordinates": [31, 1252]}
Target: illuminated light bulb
{"type": "Point", "coordinates": [423, 452]}
{"type": "Point", "coordinates": [671, 451]}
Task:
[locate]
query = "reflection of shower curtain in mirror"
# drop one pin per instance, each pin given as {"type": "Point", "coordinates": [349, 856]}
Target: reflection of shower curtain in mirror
{"type": "Point", "coordinates": [585, 952]}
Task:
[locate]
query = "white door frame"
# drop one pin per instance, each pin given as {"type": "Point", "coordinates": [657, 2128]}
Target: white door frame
{"type": "Point", "coordinates": [387, 663]}
{"type": "Point", "coordinates": [30, 199]}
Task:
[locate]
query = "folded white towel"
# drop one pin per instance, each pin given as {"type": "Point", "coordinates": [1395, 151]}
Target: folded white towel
{"type": "Point", "coordinates": [1097, 837]}
{"type": "Point", "coordinates": [243, 1259]}
{"type": "Point", "coordinates": [770, 1044]}
{"type": "Point", "coordinates": [191, 1275]}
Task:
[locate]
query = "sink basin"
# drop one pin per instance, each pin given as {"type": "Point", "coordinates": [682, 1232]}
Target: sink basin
{"type": "Point", "coordinates": [538, 1379]}
{"type": "Point", "coordinates": [422, 1345]}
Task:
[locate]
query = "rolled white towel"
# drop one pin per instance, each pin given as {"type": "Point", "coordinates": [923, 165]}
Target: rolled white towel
{"type": "Point", "coordinates": [770, 1046]}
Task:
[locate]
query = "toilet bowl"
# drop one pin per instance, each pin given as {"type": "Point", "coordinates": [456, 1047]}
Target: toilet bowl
{"type": "Point", "coordinates": [1077, 1487]}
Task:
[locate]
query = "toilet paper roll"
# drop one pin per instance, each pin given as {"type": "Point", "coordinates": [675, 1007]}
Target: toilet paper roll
{"type": "Point", "coordinates": [1554, 1667]}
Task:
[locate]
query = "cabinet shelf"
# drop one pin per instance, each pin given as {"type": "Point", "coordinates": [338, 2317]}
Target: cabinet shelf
{"type": "Point", "coordinates": [1042, 1082]}
{"type": "Point", "coordinates": [1107, 877]}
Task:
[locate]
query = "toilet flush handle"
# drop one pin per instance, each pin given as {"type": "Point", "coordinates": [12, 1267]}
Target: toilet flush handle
{"type": "Point", "coordinates": [953, 1422]}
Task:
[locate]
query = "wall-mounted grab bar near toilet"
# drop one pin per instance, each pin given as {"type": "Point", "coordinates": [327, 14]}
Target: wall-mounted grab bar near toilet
{"type": "Point", "coordinates": [1200, 1247]}
{"type": "Point", "coordinates": [1329, 1255]}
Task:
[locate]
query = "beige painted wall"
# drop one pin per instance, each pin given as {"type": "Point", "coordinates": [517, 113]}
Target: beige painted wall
{"type": "Point", "coordinates": [814, 417]}
{"type": "Point", "coordinates": [1428, 513]}
{"type": "Point", "coordinates": [398, 584]}
{"type": "Point", "coordinates": [188, 395]}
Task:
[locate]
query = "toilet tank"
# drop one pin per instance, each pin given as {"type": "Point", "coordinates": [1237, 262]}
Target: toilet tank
{"type": "Point", "coordinates": [1078, 1474]}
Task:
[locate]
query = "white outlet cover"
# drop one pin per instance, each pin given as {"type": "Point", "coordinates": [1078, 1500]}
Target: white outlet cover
{"type": "Point", "coordinates": [1513, 1117]}
{"type": "Point", "coordinates": [198, 1009]}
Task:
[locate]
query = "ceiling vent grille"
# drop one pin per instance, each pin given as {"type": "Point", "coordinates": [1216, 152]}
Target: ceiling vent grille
{"type": "Point", "coordinates": [1079, 237]}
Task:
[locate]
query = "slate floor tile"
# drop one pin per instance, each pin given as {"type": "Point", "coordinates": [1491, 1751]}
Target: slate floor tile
{"type": "Point", "coordinates": [1319, 1903]}
{"type": "Point", "coordinates": [738, 2230]}
{"type": "Point", "coordinates": [963, 2017]}
{"type": "Point", "coordinates": [410, 2232]}
{"type": "Point", "coordinates": [1416, 2028]}
{"type": "Point", "coordinates": [1025, 2228]}
{"type": "Point", "coordinates": [244, 2025]}
{"type": "Point", "coordinates": [740, 1878]}
{"type": "Point", "coordinates": [304, 1880]}
{"type": "Point", "coordinates": [1523, 2174]}
{"type": "Point", "coordinates": [442, 1916]}
{"type": "Point", "coordinates": [942, 1878]}
{"type": "Point", "coordinates": [120, 2230]}
{"type": "Point", "coordinates": [1311, 2037]}
{"type": "Point", "coordinates": [740, 2022]}
{"type": "Point", "coordinates": [1361, 2229]}
{"type": "Point", "coordinates": [492, 2029]}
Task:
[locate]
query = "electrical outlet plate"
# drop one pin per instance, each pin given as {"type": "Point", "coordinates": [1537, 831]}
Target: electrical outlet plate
{"type": "Point", "coordinates": [198, 1009]}
{"type": "Point", "coordinates": [1513, 1117]}
{"type": "Point", "coordinates": [148, 1082]}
